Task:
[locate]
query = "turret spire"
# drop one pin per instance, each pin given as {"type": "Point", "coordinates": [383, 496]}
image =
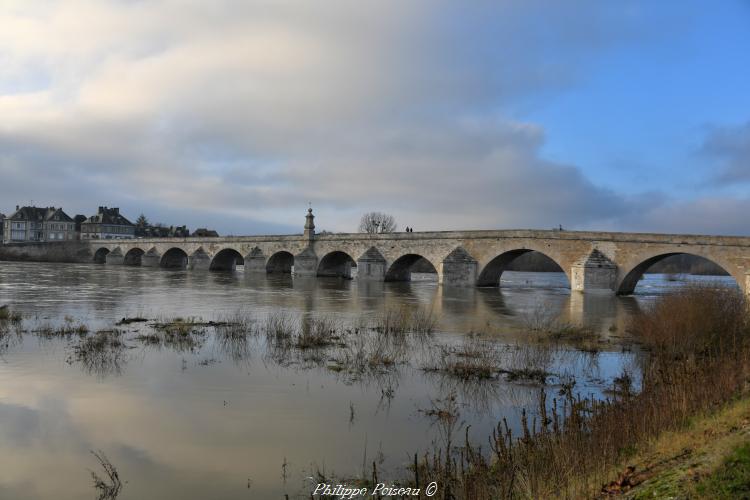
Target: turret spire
{"type": "Point", "coordinates": [309, 224]}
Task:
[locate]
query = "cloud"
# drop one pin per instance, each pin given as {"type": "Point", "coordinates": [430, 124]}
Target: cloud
{"type": "Point", "coordinates": [237, 113]}
{"type": "Point", "coordinates": [731, 146]}
{"type": "Point", "coordinates": [714, 215]}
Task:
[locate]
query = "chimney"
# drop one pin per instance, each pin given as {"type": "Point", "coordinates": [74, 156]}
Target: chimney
{"type": "Point", "coordinates": [18, 208]}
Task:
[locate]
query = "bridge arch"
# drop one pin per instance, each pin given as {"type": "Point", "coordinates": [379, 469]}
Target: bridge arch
{"type": "Point", "coordinates": [100, 256]}
{"type": "Point", "coordinates": [226, 259]}
{"type": "Point", "coordinates": [174, 258]}
{"type": "Point", "coordinates": [490, 274]}
{"type": "Point", "coordinates": [134, 257]}
{"type": "Point", "coordinates": [401, 268]}
{"type": "Point", "coordinates": [337, 264]}
{"type": "Point", "coordinates": [630, 279]}
{"type": "Point", "coordinates": [280, 262]}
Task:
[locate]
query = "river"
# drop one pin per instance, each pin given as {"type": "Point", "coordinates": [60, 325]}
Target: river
{"type": "Point", "coordinates": [217, 421]}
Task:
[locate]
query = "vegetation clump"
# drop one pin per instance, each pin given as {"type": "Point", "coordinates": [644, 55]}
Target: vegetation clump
{"type": "Point", "coordinates": [127, 321]}
{"type": "Point", "coordinates": [102, 353]}
{"type": "Point", "coordinates": [233, 336]}
{"type": "Point", "coordinates": [68, 328]}
{"type": "Point", "coordinates": [180, 334]}
{"type": "Point", "coordinates": [472, 359]}
{"type": "Point", "coordinates": [405, 320]}
{"type": "Point", "coordinates": [7, 315]}
{"type": "Point", "coordinates": [316, 332]}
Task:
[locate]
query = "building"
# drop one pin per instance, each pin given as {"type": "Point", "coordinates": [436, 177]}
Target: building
{"type": "Point", "coordinates": [159, 231]}
{"type": "Point", "coordinates": [38, 224]}
{"type": "Point", "coordinates": [2, 225]}
{"type": "Point", "coordinates": [205, 233]}
{"type": "Point", "coordinates": [107, 224]}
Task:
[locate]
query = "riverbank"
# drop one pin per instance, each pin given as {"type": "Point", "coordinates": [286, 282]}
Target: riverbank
{"type": "Point", "coordinates": [707, 459]}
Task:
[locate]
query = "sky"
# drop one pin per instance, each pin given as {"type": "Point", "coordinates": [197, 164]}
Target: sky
{"type": "Point", "coordinates": [489, 114]}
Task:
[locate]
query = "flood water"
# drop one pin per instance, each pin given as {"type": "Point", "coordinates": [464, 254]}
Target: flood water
{"type": "Point", "coordinates": [217, 422]}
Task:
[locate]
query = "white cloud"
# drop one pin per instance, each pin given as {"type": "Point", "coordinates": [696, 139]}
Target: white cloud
{"type": "Point", "coordinates": [249, 109]}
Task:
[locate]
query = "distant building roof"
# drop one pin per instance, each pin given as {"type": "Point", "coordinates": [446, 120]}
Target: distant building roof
{"type": "Point", "coordinates": [205, 233]}
{"type": "Point", "coordinates": [109, 216]}
{"type": "Point", "coordinates": [40, 214]}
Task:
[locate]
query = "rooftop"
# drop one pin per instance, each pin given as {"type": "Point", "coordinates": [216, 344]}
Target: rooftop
{"type": "Point", "coordinates": [40, 214]}
{"type": "Point", "coordinates": [109, 216]}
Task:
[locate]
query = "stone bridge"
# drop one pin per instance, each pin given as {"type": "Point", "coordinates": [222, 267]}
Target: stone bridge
{"type": "Point", "coordinates": [603, 261]}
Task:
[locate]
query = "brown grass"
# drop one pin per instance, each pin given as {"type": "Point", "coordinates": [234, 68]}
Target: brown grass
{"type": "Point", "coordinates": [472, 359]}
{"type": "Point", "coordinates": [406, 320]}
{"type": "Point", "coordinates": [317, 332]}
{"type": "Point", "coordinates": [699, 359]}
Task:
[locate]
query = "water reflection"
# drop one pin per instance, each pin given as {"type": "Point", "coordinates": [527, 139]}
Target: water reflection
{"type": "Point", "coordinates": [205, 422]}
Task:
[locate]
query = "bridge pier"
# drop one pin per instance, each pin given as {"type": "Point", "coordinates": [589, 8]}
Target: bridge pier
{"type": "Point", "coordinates": [594, 273]}
{"type": "Point", "coordinates": [152, 258]}
{"type": "Point", "coordinates": [458, 269]}
{"type": "Point", "coordinates": [305, 263]}
{"type": "Point", "coordinates": [255, 262]}
{"type": "Point", "coordinates": [199, 261]}
{"type": "Point", "coordinates": [371, 266]}
{"type": "Point", "coordinates": [115, 257]}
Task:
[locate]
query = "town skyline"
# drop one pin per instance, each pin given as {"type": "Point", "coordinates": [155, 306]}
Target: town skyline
{"type": "Point", "coordinates": [51, 224]}
{"type": "Point", "coordinates": [235, 115]}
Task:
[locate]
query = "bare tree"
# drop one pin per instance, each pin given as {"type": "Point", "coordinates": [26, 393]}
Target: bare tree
{"type": "Point", "coordinates": [377, 222]}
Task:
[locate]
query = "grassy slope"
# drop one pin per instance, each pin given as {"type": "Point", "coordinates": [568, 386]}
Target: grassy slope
{"type": "Point", "coordinates": [708, 459]}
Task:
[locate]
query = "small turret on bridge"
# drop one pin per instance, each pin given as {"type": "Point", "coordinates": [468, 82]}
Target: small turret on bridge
{"type": "Point", "coordinates": [591, 261]}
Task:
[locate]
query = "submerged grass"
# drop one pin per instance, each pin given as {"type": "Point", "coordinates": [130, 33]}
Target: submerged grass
{"type": "Point", "coordinates": [7, 315]}
{"type": "Point", "coordinates": [67, 329]}
{"type": "Point", "coordinates": [233, 335]}
{"type": "Point", "coordinates": [406, 320]}
{"type": "Point", "coordinates": [102, 353]}
{"type": "Point", "coordinates": [472, 359]}
{"type": "Point", "coordinates": [10, 322]}
{"type": "Point", "coordinates": [180, 334]}
{"type": "Point", "coordinates": [316, 332]}
{"type": "Point", "coordinates": [475, 359]}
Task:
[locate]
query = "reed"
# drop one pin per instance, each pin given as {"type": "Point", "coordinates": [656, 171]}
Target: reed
{"type": "Point", "coordinates": [472, 359]}
{"type": "Point", "coordinates": [699, 359]}
{"type": "Point", "coordinates": [102, 353]}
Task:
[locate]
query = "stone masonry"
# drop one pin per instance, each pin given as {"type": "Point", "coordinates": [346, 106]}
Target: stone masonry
{"type": "Point", "coordinates": [592, 261]}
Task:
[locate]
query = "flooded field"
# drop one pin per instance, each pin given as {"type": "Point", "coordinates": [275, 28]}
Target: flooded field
{"type": "Point", "coordinates": [226, 385]}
